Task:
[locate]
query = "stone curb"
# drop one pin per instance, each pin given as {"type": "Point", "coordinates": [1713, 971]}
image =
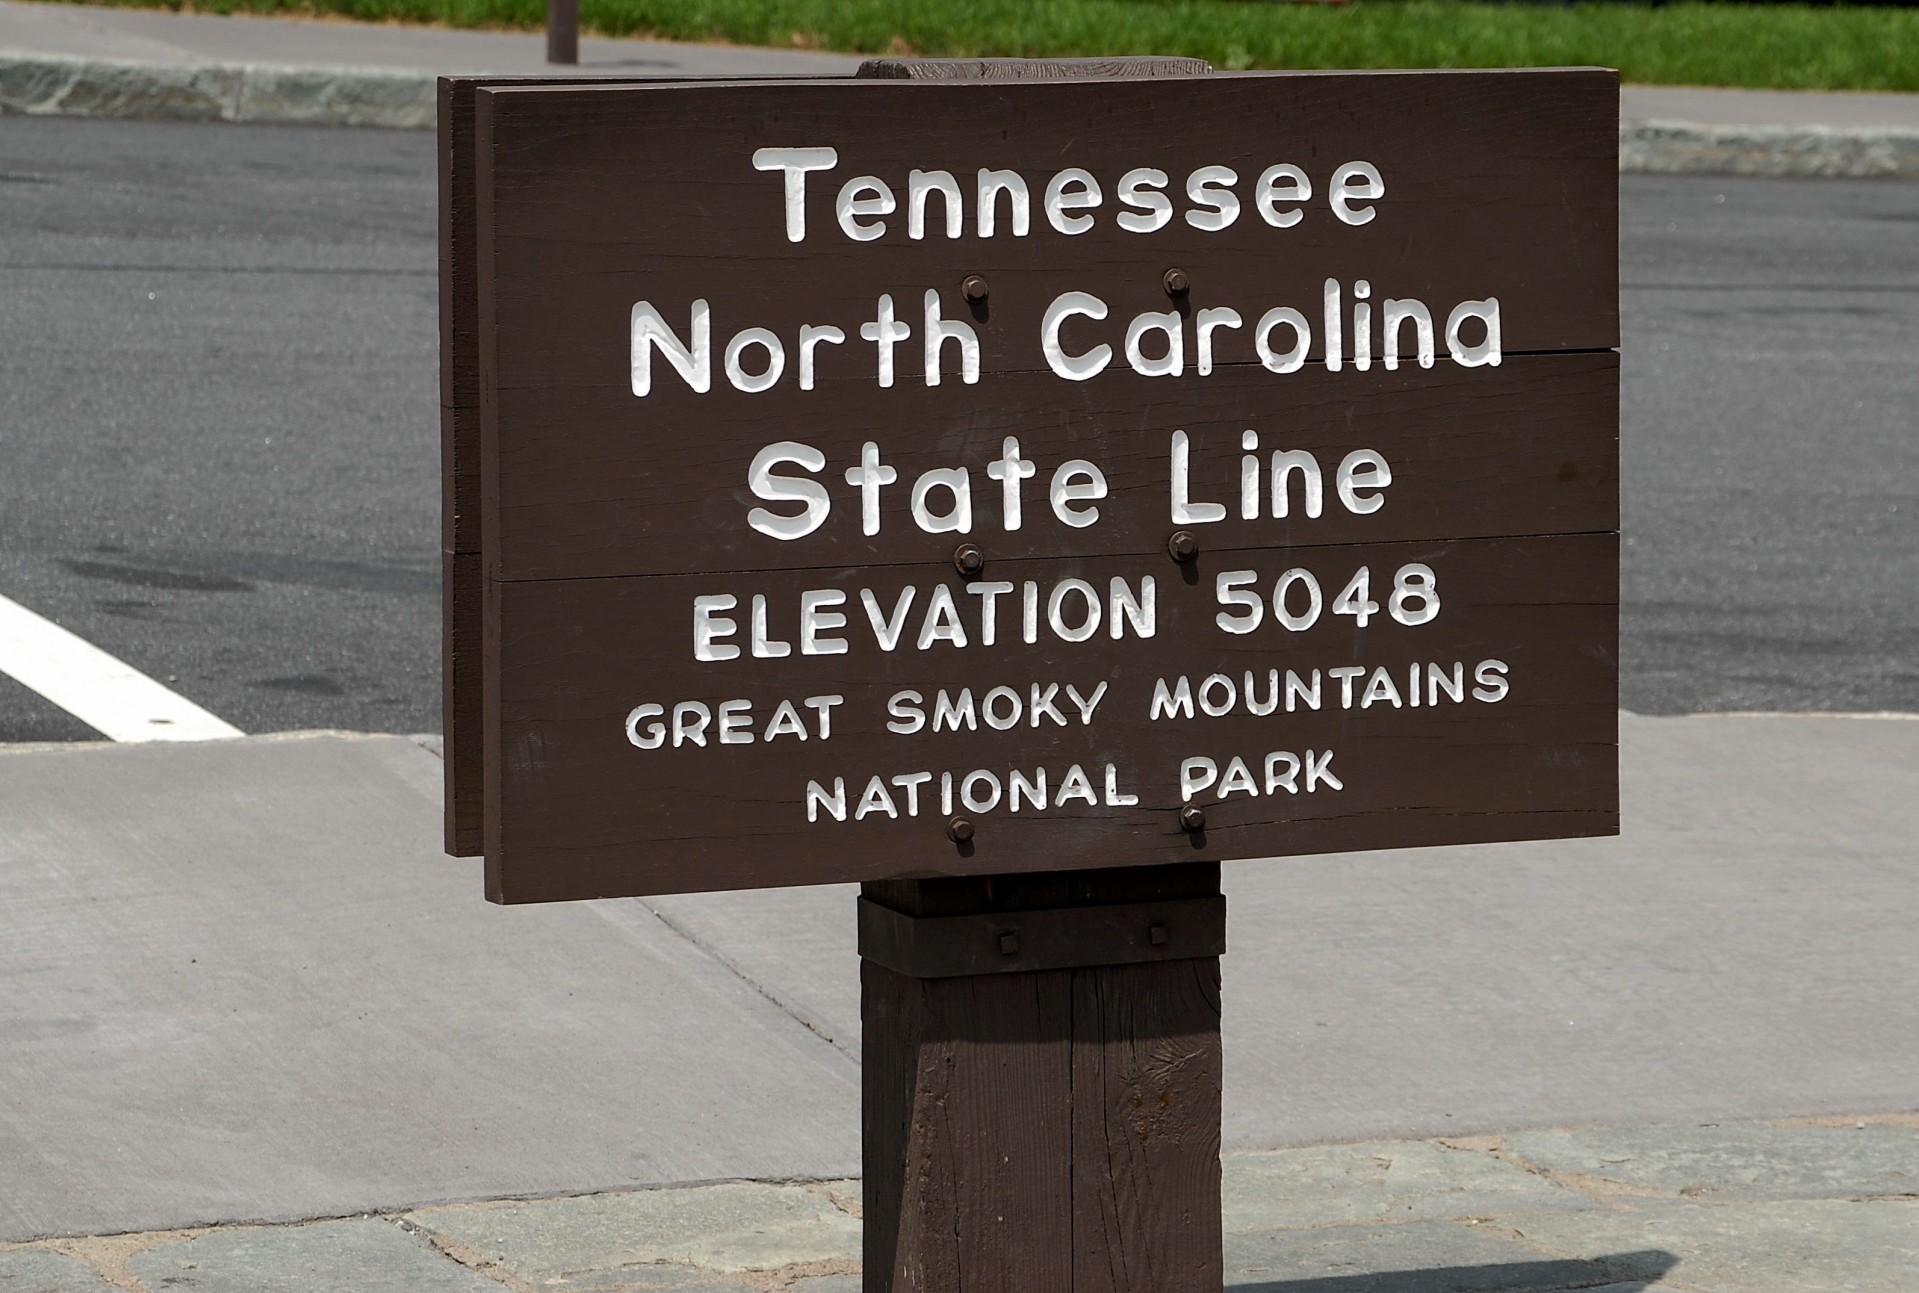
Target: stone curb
{"type": "Point", "coordinates": [40, 85]}
{"type": "Point", "coordinates": [1687, 148]}
{"type": "Point", "coordinates": [51, 85]}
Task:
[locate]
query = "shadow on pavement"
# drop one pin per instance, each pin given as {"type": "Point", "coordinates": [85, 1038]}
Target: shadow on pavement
{"type": "Point", "coordinates": [1612, 1273]}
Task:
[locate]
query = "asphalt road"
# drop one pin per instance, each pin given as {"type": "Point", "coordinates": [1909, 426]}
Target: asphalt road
{"type": "Point", "coordinates": [219, 426]}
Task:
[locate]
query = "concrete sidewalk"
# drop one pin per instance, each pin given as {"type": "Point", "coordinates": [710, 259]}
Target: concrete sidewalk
{"type": "Point", "coordinates": [91, 61]}
{"type": "Point", "coordinates": [242, 985]}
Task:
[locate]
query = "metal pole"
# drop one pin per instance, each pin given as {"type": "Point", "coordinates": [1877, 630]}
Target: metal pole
{"type": "Point", "coordinates": [563, 31]}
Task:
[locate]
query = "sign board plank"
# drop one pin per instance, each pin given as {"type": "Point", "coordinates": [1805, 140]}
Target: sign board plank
{"type": "Point", "coordinates": [1513, 736]}
{"type": "Point", "coordinates": [654, 188]}
{"type": "Point", "coordinates": [1527, 448]}
{"type": "Point", "coordinates": [737, 573]}
{"type": "Point", "coordinates": [462, 716]}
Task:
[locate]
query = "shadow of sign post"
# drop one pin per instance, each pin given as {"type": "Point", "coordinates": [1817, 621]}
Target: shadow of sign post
{"type": "Point", "coordinates": [1019, 486]}
{"type": "Point", "coordinates": [1633, 1272]}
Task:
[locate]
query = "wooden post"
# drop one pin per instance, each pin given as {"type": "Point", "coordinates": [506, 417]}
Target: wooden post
{"type": "Point", "coordinates": [1042, 1082]}
{"type": "Point", "coordinates": [563, 31]}
{"type": "Point", "coordinates": [1041, 1059]}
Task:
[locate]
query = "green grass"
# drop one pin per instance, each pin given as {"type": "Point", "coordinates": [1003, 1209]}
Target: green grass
{"type": "Point", "coordinates": [1765, 45]}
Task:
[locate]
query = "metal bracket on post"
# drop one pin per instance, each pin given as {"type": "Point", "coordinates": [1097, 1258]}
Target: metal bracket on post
{"type": "Point", "coordinates": [946, 947]}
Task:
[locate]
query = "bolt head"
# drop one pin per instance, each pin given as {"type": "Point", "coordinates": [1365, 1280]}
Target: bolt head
{"type": "Point", "coordinates": [974, 288]}
{"type": "Point", "coordinates": [1158, 935]}
{"type": "Point", "coordinates": [1182, 546]}
{"type": "Point", "coordinates": [959, 830]}
{"type": "Point", "coordinates": [1009, 944]}
{"type": "Point", "coordinates": [968, 559]}
{"type": "Point", "coordinates": [1192, 818]}
{"type": "Point", "coordinates": [1176, 282]}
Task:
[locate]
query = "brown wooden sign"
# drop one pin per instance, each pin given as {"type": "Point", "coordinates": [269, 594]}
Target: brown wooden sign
{"type": "Point", "coordinates": [865, 479]}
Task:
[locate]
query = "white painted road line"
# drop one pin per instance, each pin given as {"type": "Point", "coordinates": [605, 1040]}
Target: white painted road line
{"type": "Point", "coordinates": [95, 688]}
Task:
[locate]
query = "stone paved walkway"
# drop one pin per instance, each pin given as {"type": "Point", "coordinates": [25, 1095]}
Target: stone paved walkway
{"type": "Point", "coordinates": [1818, 1206]}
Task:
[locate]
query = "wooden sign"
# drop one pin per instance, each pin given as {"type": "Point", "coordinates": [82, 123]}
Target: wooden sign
{"type": "Point", "coordinates": [888, 478]}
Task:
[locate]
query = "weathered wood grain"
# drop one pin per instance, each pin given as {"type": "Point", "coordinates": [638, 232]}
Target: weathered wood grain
{"type": "Point", "coordinates": [461, 448]}
{"type": "Point", "coordinates": [1055, 1129]}
{"type": "Point", "coordinates": [1027, 69]}
{"type": "Point", "coordinates": [1147, 1072]}
{"type": "Point", "coordinates": [967, 1104]}
{"type": "Point", "coordinates": [463, 710]}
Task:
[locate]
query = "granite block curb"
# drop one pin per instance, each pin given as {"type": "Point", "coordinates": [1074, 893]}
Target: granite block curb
{"type": "Point", "coordinates": [50, 85]}
{"type": "Point", "coordinates": [42, 85]}
{"type": "Point", "coordinates": [1688, 148]}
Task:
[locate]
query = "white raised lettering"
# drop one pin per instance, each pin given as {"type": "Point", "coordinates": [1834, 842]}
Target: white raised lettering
{"type": "Point", "coordinates": [885, 332]}
{"type": "Point", "coordinates": [1010, 469]}
{"type": "Point", "coordinates": [1171, 703]}
{"type": "Point", "coordinates": [834, 802]}
{"type": "Point", "coordinates": [958, 483]}
{"type": "Point", "coordinates": [1195, 775]}
{"type": "Point", "coordinates": [709, 627]}
{"type": "Point", "coordinates": [852, 207]}
{"type": "Point", "coordinates": [1169, 325]}
{"type": "Point", "coordinates": [921, 185]}
{"type": "Point", "coordinates": [942, 622]}
{"type": "Point", "coordinates": [887, 628]}
{"type": "Point", "coordinates": [1362, 470]}
{"type": "Point", "coordinates": [1140, 612]}
{"type": "Point", "coordinates": [1056, 610]}
{"type": "Point", "coordinates": [869, 477]}
{"type": "Point", "coordinates": [644, 729]}
{"type": "Point", "coordinates": [765, 647]}
{"type": "Point", "coordinates": [1184, 511]}
{"type": "Point", "coordinates": [811, 338]}
{"type": "Point", "coordinates": [794, 163]}
{"type": "Point", "coordinates": [1152, 210]}
{"type": "Point", "coordinates": [1277, 184]}
{"type": "Point", "coordinates": [692, 362]}
{"type": "Point", "coordinates": [1071, 190]}
{"type": "Point", "coordinates": [735, 363]}
{"type": "Point", "coordinates": [816, 619]}
{"type": "Point", "coordinates": [1394, 315]}
{"type": "Point", "coordinates": [1076, 481]}
{"type": "Point", "coordinates": [1074, 368]}
{"type": "Point", "coordinates": [904, 715]}
{"type": "Point", "coordinates": [1020, 203]}
{"type": "Point", "coordinates": [1292, 360]}
{"type": "Point", "coordinates": [939, 331]}
{"type": "Point", "coordinates": [1219, 205]}
{"type": "Point", "coordinates": [1356, 180]}
{"type": "Point", "coordinates": [734, 718]}
{"type": "Point", "coordinates": [1486, 352]}
{"type": "Point", "coordinates": [787, 489]}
